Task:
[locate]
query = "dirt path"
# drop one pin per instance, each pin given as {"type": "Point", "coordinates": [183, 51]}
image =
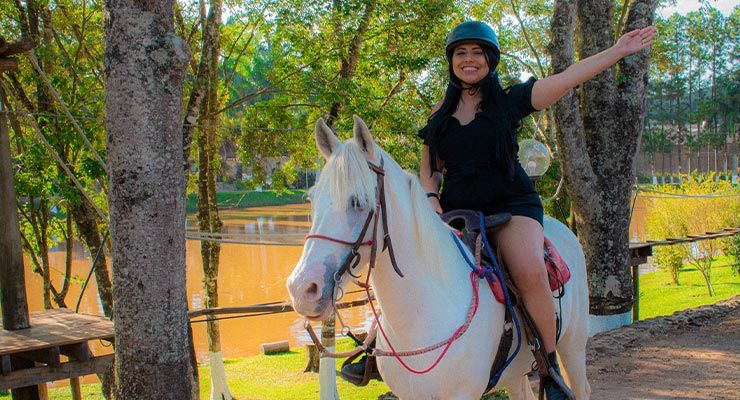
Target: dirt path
{"type": "Point", "coordinates": [694, 354]}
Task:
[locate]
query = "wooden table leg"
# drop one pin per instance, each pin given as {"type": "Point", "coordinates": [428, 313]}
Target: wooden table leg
{"type": "Point", "coordinates": [28, 392]}
{"type": "Point", "coordinates": [74, 384]}
{"type": "Point", "coordinates": [43, 392]}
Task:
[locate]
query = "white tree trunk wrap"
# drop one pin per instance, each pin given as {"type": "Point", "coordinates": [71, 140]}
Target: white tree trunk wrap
{"type": "Point", "coordinates": [219, 386]}
{"type": "Point", "coordinates": [328, 378]}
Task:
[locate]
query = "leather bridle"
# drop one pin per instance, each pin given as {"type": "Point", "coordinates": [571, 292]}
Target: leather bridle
{"type": "Point", "coordinates": [353, 258]}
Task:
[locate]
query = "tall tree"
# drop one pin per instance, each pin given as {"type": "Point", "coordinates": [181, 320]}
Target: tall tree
{"type": "Point", "coordinates": [208, 145]}
{"type": "Point", "coordinates": [598, 128]}
{"type": "Point", "coordinates": [145, 67]}
{"type": "Point", "coordinates": [67, 58]}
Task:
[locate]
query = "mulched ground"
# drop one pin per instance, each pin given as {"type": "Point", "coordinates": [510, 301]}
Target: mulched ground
{"type": "Point", "coordinates": [692, 354]}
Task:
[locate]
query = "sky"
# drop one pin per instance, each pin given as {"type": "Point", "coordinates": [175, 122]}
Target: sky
{"type": "Point", "coordinates": [684, 6]}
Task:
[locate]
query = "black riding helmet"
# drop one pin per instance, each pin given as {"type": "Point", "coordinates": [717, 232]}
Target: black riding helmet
{"type": "Point", "coordinates": [474, 32]}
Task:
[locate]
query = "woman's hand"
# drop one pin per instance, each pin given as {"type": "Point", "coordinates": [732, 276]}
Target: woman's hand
{"type": "Point", "coordinates": [632, 42]}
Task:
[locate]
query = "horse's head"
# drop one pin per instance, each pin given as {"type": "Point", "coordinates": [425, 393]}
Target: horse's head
{"type": "Point", "coordinates": [341, 203]}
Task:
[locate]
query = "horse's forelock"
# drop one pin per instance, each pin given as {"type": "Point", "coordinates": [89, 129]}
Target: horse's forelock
{"type": "Point", "coordinates": [348, 178]}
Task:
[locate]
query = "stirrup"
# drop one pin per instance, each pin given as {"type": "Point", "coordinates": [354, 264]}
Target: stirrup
{"type": "Point", "coordinates": [558, 380]}
{"type": "Point", "coordinates": [370, 370]}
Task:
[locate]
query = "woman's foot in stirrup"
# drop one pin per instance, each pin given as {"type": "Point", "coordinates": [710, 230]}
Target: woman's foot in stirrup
{"type": "Point", "coordinates": [354, 372]}
{"type": "Point", "coordinates": [553, 391]}
{"type": "Point", "coordinates": [358, 373]}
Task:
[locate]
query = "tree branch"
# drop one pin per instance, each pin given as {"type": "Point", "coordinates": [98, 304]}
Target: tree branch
{"type": "Point", "coordinates": [526, 38]}
{"type": "Point", "coordinates": [620, 23]}
{"type": "Point", "coordinates": [580, 179]}
{"type": "Point", "coordinates": [349, 64]}
{"type": "Point", "coordinates": [227, 81]}
{"type": "Point", "coordinates": [634, 71]}
{"type": "Point", "coordinates": [598, 94]}
{"type": "Point", "coordinates": [523, 63]}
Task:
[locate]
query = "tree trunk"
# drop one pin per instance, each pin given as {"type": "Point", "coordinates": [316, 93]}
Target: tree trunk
{"type": "Point", "coordinates": [208, 218]}
{"type": "Point", "coordinates": [87, 225]}
{"type": "Point", "coordinates": [598, 129]}
{"type": "Point", "coordinates": [145, 67]}
{"type": "Point", "coordinates": [327, 369]}
{"type": "Point", "coordinates": [12, 276]}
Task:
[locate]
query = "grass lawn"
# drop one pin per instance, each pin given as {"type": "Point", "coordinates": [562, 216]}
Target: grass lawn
{"type": "Point", "coordinates": [659, 296]}
{"type": "Point", "coordinates": [280, 377]}
{"type": "Point", "coordinates": [250, 199]}
{"type": "Point", "coordinates": [275, 377]}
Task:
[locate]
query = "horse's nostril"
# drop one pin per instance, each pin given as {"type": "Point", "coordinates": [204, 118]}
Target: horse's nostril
{"type": "Point", "coordinates": [312, 290]}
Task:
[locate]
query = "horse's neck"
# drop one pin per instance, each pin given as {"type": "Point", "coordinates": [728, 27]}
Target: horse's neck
{"type": "Point", "coordinates": [420, 296]}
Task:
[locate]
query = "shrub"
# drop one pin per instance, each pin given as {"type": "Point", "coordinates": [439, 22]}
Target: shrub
{"type": "Point", "coordinates": [671, 259]}
{"type": "Point", "coordinates": [679, 211]}
{"type": "Point", "coordinates": [732, 249]}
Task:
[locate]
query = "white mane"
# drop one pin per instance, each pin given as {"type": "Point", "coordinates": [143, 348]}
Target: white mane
{"type": "Point", "coordinates": [347, 176]}
{"type": "Point", "coordinates": [434, 239]}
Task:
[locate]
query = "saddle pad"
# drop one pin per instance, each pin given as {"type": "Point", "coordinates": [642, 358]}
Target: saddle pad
{"type": "Point", "coordinates": [557, 272]}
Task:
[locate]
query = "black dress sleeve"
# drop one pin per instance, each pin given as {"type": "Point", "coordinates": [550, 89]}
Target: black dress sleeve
{"type": "Point", "coordinates": [520, 99]}
{"type": "Point", "coordinates": [424, 134]}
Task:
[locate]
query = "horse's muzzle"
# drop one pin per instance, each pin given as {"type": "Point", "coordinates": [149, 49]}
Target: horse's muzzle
{"type": "Point", "coordinates": [311, 294]}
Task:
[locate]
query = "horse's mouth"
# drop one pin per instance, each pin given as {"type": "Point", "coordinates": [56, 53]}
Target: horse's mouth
{"type": "Point", "coordinates": [319, 317]}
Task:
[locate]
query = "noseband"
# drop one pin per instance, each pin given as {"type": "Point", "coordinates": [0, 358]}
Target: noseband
{"type": "Point", "coordinates": [353, 258]}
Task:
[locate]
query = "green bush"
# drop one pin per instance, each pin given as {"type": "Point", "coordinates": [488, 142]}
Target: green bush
{"type": "Point", "coordinates": [670, 258]}
{"type": "Point", "coordinates": [732, 249]}
{"type": "Point", "coordinates": [700, 204]}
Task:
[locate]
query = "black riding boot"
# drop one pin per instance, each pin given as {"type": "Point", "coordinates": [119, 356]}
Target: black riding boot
{"type": "Point", "coordinates": [552, 390]}
{"type": "Point", "coordinates": [361, 372]}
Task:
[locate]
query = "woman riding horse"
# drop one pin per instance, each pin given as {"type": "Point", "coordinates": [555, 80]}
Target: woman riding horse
{"type": "Point", "coordinates": [470, 146]}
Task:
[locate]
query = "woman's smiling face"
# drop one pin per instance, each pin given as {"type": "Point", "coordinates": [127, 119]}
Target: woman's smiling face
{"type": "Point", "coordinates": [469, 63]}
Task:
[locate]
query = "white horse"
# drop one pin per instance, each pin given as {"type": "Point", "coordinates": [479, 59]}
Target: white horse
{"type": "Point", "coordinates": [432, 299]}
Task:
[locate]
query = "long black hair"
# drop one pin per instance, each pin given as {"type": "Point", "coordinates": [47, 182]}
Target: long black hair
{"type": "Point", "coordinates": [493, 96]}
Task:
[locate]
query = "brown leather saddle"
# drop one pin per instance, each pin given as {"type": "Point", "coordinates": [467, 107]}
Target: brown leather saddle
{"type": "Point", "coordinates": [467, 226]}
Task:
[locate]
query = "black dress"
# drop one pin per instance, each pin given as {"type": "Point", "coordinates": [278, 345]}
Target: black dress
{"type": "Point", "coordinates": [472, 176]}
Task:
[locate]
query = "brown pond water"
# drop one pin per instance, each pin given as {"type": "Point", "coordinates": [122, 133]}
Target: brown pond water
{"type": "Point", "coordinates": [249, 274]}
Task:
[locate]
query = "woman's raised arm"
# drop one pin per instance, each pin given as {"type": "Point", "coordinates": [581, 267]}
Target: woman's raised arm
{"type": "Point", "coordinates": [548, 90]}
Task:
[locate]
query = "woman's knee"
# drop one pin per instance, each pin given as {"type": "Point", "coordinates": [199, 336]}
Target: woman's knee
{"type": "Point", "coordinates": [533, 274]}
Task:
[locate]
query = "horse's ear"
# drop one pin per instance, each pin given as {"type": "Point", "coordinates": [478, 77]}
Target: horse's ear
{"type": "Point", "coordinates": [363, 137]}
{"type": "Point", "coordinates": [326, 140]}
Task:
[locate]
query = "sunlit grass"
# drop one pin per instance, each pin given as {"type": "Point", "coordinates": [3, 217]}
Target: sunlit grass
{"type": "Point", "coordinates": [659, 296]}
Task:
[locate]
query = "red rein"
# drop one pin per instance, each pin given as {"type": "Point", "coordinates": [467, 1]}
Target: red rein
{"type": "Point", "coordinates": [447, 343]}
{"type": "Point", "coordinates": [331, 239]}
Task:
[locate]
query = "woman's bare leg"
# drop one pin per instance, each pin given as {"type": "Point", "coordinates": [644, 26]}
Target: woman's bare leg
{"type": "Point", "coordinates": [521, 243]}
